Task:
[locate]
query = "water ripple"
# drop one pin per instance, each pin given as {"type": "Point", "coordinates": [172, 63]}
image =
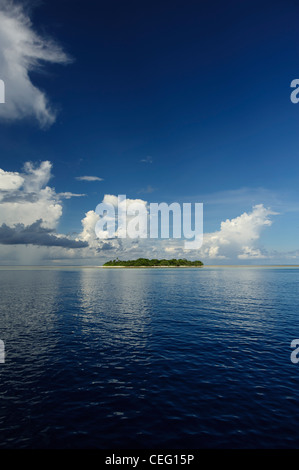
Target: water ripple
{"type": "Point", "coordinates": [149, 358]}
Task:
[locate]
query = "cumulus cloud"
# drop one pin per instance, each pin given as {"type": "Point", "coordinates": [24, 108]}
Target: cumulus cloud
{"type": "Point", "coordinates": [10, 181]}
{"type": "Point", "coordinates": [31, 199]}
{"type": "Point", "coordinates": [100, 240]}
{"type": "Point", "coordinates": [237, 237]}
{"type": "Point", "coordinates": [23, 51]}
{"type": "Point", "coordinates": [30, 209]}
{"type": "Point", "coordinates": [88, 233]}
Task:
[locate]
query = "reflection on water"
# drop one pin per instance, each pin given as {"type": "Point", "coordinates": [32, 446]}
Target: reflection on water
{"type": "Point", "coordinates": [28, 308]}
{"type": "Point", "coordinates": [121, 310]}
{"type": "Point", "coordinates": [149, 358]}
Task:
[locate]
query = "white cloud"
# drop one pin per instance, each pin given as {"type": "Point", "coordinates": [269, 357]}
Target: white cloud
{"type": "Point", "coordinates": [88, 232]}
{"type": "Point", "coordinates": [69, 195]}
{"type": "Point", "coordinates": [36, 176]}
{"type": "Point", "coordinates": [91, 218]}
{"type": "Point", "coordinates": [22, 51]}
{"type": "Point", "coordinates": [31, 199]}
{"type": "Point", "coordinates": [124, 218]}
{"type": "Point", "coordinates": [124, 204]}
{"type": "Point", "coordinates": [30, 211]}
{"type": "Point", "coordinates": [32, 208]}
{"type": "Point", "coordinates": [251, 253]}
{"type": "Point", "coordinates": [236, 240]}
{"type": "Point", "coordinates": [237, 237]}
{"type": "Point", "coordinates": [89, 178]}
{"type": "Point", "coordinates": [10, 181]}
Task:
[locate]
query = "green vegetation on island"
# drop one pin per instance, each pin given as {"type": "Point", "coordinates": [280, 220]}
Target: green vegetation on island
{"type": "Point", "coordinates": [143, 262]}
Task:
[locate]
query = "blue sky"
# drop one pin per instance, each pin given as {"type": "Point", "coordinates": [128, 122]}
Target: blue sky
{"type": "Point", "coordinates": [185, 101]}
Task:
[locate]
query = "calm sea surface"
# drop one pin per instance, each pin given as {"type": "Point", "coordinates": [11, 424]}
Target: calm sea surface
{"type": "Point", "coordinates": [161, 358]}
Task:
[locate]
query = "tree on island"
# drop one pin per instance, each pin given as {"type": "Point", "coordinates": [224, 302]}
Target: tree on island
{"type": "Point", "coordinates": [144, 262]}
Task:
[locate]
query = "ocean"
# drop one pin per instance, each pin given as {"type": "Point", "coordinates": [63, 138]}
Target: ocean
{"type": "Point", "coordinates": [149, 358]}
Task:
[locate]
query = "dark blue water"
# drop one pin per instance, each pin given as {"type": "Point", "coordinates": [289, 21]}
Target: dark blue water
{"type": "Point", "coordinates": [163, 358]}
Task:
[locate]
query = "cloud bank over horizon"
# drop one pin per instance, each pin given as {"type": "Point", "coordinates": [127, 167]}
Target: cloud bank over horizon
{"type": "Point", "coordinates": [30, 211]}
{"type": "Point", "coordinates": [237, 239]}
{"type": "Point", "coordinates": [23, 51]}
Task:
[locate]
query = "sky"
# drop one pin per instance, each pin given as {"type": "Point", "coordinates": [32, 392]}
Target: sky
{"type": "Point", "coordinates": [161, 101]}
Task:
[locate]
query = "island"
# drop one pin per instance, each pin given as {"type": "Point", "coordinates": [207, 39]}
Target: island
{"type": "Point", "coordinates": [153, 263]}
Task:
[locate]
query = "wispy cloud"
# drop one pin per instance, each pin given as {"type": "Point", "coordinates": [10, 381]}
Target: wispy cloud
{"type": "Point", "coordinates": [89, 178]}
{"type": "Point", "coordinates": [68, 195]}
{"type": "Point", "coordinates": [148, 190]}
{"type": "Point", "coordinates": [22, 51]}
{"type": "Point", "coordinates": [147, 159]}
